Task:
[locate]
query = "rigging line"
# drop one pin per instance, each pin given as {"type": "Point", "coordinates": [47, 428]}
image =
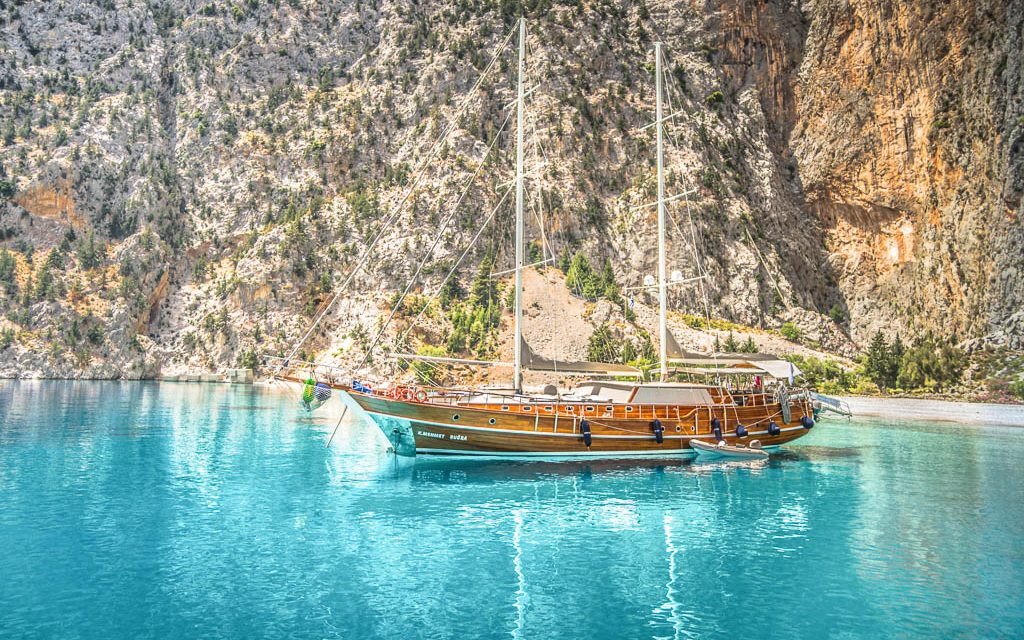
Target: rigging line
{"type": "Point", "coordinates": [437, 240]}
{"type": "Point", "coordinates": [538, 147]}
{"type": "Point", "coordinates": [539, 208]}
{"type": "Point", "coordinates": [540, 196]}
{"type": "Point", "coordinates": [461, 258]}
{"type": "Point", "coordinates": [693, 234]}
{"type": "Point", "coordinates": [538, 217]}
{"type": "Point", "coordinates": [394, 212]}
{"type": "Point", "coordinates": [430, 380]}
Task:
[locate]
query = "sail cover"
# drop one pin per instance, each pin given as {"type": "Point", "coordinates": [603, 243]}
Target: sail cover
{"type": "Point", "coordinates": [534, 362]}
{"type": "Point", "coordinates": [730, 363]}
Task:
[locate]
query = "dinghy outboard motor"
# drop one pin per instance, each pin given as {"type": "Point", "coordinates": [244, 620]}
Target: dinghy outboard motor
{"type": "Point", "coordinates": [741, 431]}
{"type": "Point", "coordinates": [716, 428]}
{"type": "Point", "coordinates": [773, 429]}
{"type": "Point", "coordinates": [585, 430]}
{"type": "Point", "coordinates": [659, 431]}
{"type": "Point", "coordinates": [807, 422]}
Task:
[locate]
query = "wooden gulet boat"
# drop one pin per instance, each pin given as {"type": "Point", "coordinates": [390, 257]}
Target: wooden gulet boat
{"type": "Point", "coordinates": [606, 418]}
{"type": "Point", "coordinates": [611, 419]}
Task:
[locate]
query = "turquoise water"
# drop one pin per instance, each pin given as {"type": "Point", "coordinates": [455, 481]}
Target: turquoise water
{"type": "Point", "coordinates": [176, 510]}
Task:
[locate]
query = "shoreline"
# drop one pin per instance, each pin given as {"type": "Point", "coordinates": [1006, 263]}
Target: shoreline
{"type": "Point", "coordinates": [954, 411]}
{"type": "Point", "coordinates": [957, 411]}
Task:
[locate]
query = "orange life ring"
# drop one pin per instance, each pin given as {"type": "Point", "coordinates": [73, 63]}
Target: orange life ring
{"type": "Point", "coordinates": [406, 393]}
{"type": "Point", "coordinates": [421, 395]}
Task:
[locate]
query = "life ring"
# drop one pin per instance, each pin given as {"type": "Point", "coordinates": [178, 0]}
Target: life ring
{"type": "Point", "coordinates": [421, 395]}
{"type": "Point", "coordinates": [406, 393]}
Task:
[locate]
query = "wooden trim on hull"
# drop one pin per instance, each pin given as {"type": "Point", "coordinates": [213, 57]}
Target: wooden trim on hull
{"type": "Point", "coordinates": [425, 428]}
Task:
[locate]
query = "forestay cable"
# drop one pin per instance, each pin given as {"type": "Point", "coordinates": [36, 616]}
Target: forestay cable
{"type": "Point", "coordinates": [389, 219]}
{"type": "Point", "coordinates": [437, 240]}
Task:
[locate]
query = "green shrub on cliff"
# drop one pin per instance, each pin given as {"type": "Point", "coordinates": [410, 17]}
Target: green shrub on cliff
{"type": "Point", "coordinates": [791, 332]}
{"type": "Point", "coordinates": [428, 372]}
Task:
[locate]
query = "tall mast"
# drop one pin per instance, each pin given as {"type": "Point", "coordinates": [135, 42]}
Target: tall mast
{"type": "Point", "coordinates": [662, 284]}
{"type": "Point", "coordinates": [520, 253]}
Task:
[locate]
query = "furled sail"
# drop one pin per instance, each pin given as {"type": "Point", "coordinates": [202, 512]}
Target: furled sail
{"type": "Point", "coordinates": [725, 363]}
{"type": "Point", "coordinates": [534, 362]}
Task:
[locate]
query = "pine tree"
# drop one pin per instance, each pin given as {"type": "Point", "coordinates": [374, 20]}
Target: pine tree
{"type": "Point", "coordinates": [484, 291]}
{"type": "Point", "coordinates": [8, 268]}
{"type": "Point", "coordinates": [896, 352]}
{"type": "Point", "coordinates": [879, 364]}
{"type": "Point", "coordinates": [565, 262]}
{"type": "Point", "coordinates": [606, 283]}
{"type": "Point", "coordinates": [451, 291]}
{"type": "Point", "coordinates": [602, 346]}
{"type": "Point", "coordinates": [581, 279]}
{"type": "Point", "coordinates": [731, 345]}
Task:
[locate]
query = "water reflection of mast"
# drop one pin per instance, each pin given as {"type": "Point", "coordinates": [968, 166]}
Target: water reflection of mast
{"type": "Point", "coordinates": [517, 564]}
{"type": "Point", "coordinates": [670, 592]}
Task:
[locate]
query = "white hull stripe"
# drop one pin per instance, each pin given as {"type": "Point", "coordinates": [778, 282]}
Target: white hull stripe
{"type": "Point", "coordinates": [577, 434]}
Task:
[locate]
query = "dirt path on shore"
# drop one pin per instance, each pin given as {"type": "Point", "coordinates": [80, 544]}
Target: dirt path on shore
{"type": "Point", "coordinates": [939, 410]}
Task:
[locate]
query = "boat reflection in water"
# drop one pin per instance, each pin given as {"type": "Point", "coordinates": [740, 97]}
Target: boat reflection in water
{"type": "Point", "coordinates": [482, 470]}
{"type": "Point", "coordinates": [462, 470]}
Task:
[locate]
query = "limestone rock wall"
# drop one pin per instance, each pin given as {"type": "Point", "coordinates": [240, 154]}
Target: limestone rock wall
{"type": "Point", "coordinates": [209, 173]}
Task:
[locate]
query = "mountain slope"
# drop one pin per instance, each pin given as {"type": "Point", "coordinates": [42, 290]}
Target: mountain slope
{"type": "Point", "coordinates": [186, 182]}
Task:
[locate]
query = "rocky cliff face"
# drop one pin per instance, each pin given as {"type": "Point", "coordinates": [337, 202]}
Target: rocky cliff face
{"type": "Point", "coordinates": [908, 141]}
{"type": "Point", "coordinates": [186, 182]}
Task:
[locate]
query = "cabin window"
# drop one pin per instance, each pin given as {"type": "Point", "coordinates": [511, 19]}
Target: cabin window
{"type": "Point", "coordinates": [629, 409]}
{"type": "Point", "coordinates": [570, 409]}
{"type": "Point", "coordinates": [590, 409]}
{"type": "Point", "coordinates": [491, 421]}
{"type": "Point", "coordinates": [455, 416]}
{"type": "Point", "coordinates": [549, 408]}
{"type": "Point", "coordinates": [527, 407]}
{"type": "Point", "coordinates": [609, 409]}
{"type": "Point", "coordinates": [504, 407]}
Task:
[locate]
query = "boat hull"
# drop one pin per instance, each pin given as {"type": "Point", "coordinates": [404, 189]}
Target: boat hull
{"type": "Point", "coordinates": [708, 451]}
{"type": "Point", "coordinates": [425, 428]}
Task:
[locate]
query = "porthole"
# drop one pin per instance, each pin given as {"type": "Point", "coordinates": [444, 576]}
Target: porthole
{"type": "Point", "coordinates": [609, 409]}
{"type": "Point", "coordinates": [590, 409]}
{"type": "Point", "coordinates": [527, 408]}
{"type": "Point", "coordinates": [549, 408]}
{"type": "Point", "coordinates": [570, 409]}
{"type": "Point", "coordinates": [678, 428]}
{"type": "Point", "coordinates": [455, 416]}
{"type": "Point", "coordinates": [491, 421]}
{"type": "Point", "coordinates": [504, 407]}
{"type": "Point", "coordinates": [629, 409]}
